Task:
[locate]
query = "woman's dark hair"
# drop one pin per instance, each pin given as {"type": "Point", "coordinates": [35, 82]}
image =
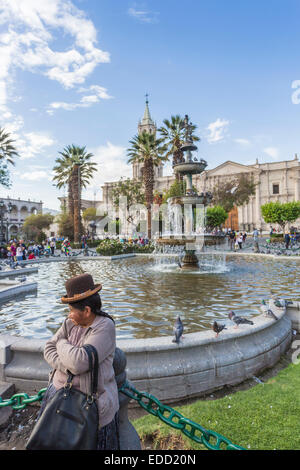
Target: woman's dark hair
{"type": "Point", "coordinates": [94, 302]}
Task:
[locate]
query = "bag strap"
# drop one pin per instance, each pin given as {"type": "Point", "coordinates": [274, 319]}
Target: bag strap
{"type": "Point", "coordinates": [93, 367]}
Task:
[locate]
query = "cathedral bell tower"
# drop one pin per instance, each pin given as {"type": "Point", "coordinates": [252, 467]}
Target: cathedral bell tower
{"type": "Point", "coordinates": [146, 125]}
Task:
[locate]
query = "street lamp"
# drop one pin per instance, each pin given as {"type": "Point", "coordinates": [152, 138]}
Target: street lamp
{"type": "Point", "coordinates": [9, 209]}
{"type": "Point", "coordinates": [2, 212]}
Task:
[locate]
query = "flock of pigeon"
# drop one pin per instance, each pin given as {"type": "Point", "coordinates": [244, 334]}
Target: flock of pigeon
{"type": "Point", "coordinates": [279, 249]}
{"type": "Point", "coordinates": [238, 320]}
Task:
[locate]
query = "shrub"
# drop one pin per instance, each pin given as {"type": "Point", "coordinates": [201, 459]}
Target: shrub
{"type": "Point", "coordinates": [115, 247]}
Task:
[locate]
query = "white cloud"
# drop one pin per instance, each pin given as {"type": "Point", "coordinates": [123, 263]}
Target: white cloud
{"type": "Point", "coordinates": [32, 25]}
{"type": "Point", "coordinates": [272, 152]}
{"type": "Point", "coordinates": [217, 130]}
{"type": "Point", "coordinates": [35, 176]}
{"type": "Point", "coordinates": [86, 101]}
{"type": "Point", "coordinates": [30, 30]}
{"type": "Point", "coordinates": [36, 143]}
{"type": "Point", "coordinates": [112, 165]}
{"type": "Point", "coordinates": [29, 40]}
{"type": "Point", "coordinates": [244, 142]}
{"type": "Point", "coordinates": [142, 14]}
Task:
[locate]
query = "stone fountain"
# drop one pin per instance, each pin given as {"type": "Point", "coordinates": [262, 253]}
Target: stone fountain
{"type": "Point", "coordinates": [191, 232]}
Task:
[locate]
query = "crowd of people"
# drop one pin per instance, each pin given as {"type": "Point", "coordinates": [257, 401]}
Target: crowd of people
{"type": "Point", "coordinates": [140, 240]}
{"type": "Point", "coordinates": [236, 239]}
{"type": "Point", "coordinates": [18, 250]}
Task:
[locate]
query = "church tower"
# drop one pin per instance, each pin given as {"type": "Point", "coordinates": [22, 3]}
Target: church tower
{"type": "Point", "coordinates": [146, 125]}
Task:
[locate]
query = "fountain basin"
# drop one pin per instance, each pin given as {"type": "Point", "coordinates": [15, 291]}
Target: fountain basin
{"type": "Point", "coordinates": [10, 289]}
{"type": "Point", "coordinates": [200, 363]}
{"type": "Point", "coordinates": [190, 168]}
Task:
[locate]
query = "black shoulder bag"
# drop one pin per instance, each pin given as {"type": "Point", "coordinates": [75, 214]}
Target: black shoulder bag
{"type": "Point", "coordinates": [70, 420]}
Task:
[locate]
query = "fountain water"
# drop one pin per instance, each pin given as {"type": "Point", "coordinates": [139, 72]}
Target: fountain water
{"type": "Point", "coordinates": [188, 229]}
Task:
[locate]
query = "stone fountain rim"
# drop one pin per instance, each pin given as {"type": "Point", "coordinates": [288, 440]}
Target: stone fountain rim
{"type": "Point", "coordinates": [163, 343]}
{"type": "Point", "coordinates": [201, 338]}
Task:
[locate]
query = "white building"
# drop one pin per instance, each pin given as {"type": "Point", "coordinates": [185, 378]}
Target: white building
{"type": "Point", "coordinates": [277, 181]}
{"type": "Point", "coordinates": [13, 220]}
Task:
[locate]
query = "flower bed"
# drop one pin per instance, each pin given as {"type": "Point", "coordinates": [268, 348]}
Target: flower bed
{"type": "Point", "coordinates": [115, 247]}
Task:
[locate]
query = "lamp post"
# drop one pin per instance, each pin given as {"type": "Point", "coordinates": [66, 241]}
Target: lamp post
{"type": "Point", "coordinates": [2, 212]}
{"type": "Point", "coordinates": [9, 209]}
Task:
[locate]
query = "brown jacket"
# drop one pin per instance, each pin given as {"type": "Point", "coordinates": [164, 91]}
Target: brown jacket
{"type": "Point", "coordinates": [62, 356]}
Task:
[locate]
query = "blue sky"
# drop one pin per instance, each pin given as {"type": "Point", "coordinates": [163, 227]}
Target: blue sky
{"type": "Point", "coordinates": [77, 72]}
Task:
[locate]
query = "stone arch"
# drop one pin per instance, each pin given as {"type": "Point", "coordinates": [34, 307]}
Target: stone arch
{"type": "Point", "coordinates": [14, 212]}
{"type": "Point", "coordinates": [24, 212]}
{"type": "Point", "coordinates": [34, 210]}
{"type": "Point", "coordinates": [13, 231]}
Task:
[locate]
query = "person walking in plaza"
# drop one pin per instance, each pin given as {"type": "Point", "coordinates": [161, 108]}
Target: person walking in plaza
{"type": "Point", "coordinates": [86, 324]}
{"type": "Point", "coordinates": [255, 234]}
{"type": "Point", "coordinates": [240, 240]}
{"type": "Point", "coordinates": [13, 250]}
{"type": "Point", "coordinates": [287, 240]}
{"type": "Point", "coordinates": [66, 247]}
{"type": "Point", "coordinates": [232, 239]}
{"type": "Point", "coordinates": [19, 252]}
{"type": "Point", "coordinates": [52, 247]}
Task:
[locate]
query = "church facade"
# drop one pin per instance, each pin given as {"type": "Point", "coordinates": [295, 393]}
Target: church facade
{"type": "Point", "coordinates": [276, 181]}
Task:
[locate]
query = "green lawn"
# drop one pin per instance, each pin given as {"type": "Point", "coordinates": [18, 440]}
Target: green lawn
{"type": "Point", "coordinates": [264, 417]}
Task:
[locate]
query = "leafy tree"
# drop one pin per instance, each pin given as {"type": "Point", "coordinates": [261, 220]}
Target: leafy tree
{"type": "Point", "coordinates": [147, 149]}
{"type": "Point", "coordinates": [234, 192]}
{"type": "Point", "coordinates": [173, 135]}
{"type": "Point", "coordinates": [65, 225]}
{"type": "Point", "coordinates": [89, 214]}
{"type": "Point", "coordinates": [34, 225]}
{"type": "Point", "coordinates": [215, 217]}
{"type": "Point", "coordinates": [7, 154]}
{"type": "Point", "coordinates": [75, 170]}
{"type": "Point", "coordinates": [177, 189]}
{"type": "Point", "coordinates": [280, 212]}
{"type": "Point", "coordinates": [132, 190]}
{"type": "Point", "coordinates": [7, 149]}
{"type": "Point", "coordinates": [4, 176]}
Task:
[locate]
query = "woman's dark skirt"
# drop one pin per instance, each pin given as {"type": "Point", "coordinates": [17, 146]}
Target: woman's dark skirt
{"type": "Point", "coordinates": [108, 436]}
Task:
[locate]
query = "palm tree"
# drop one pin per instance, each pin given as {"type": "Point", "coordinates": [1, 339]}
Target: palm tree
{"type": "Point", "coordinates": [173, 134]}
{"type": "Point", "coordinates": [75, 170]}
{"type": "Point", "coordinates": [147, 149]}
{"type": "Point", "coordinates": [7, 149]}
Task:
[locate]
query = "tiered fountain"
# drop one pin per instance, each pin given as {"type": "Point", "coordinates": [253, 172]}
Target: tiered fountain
{"type": "Point", "coordinates": [191, 232]}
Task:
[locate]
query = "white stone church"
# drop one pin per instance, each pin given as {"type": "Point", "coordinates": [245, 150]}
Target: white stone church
{"type": "Point", "coordinates": [278, 181]}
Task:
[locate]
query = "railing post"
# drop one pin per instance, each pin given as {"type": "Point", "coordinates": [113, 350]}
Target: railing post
{"type": "Point", "coordinates": [129, 439]}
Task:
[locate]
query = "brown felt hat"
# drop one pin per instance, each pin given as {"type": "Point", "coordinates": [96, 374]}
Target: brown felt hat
{"type": "Point", "coordinates": [79, 288]}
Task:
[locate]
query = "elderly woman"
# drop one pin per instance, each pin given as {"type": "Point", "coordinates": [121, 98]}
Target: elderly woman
{"type": "Point", "coordinates": [86, 324]}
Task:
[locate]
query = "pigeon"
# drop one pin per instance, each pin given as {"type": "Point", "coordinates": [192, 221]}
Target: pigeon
{"type": "Point", "coordinates": [218, 328]}
{"type": "Point", "coordinates": [270, 313]}
{"type": "Point", "coordinates": [282, 303]}
{"type": "Point", "coordinates": [178, 330]}
{"type": "Point", "coordinates": [22, 279]}
{"type": "Point", "coordinates": [239, 320]}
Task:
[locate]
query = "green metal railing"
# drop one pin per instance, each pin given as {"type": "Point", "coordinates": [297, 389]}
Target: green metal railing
{"type": "Point", "coordinates": [210, 439]}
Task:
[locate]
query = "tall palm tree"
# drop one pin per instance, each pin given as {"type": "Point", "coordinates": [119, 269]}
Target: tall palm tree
{"type": "Point", "coordinates": [7, 149]}
{"type": "Point", "coordinates": [147, 149]}
{"type": "Point", "coordinates": [74, 169]}
{"type": "Point", "coordinates": [173, 135]}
